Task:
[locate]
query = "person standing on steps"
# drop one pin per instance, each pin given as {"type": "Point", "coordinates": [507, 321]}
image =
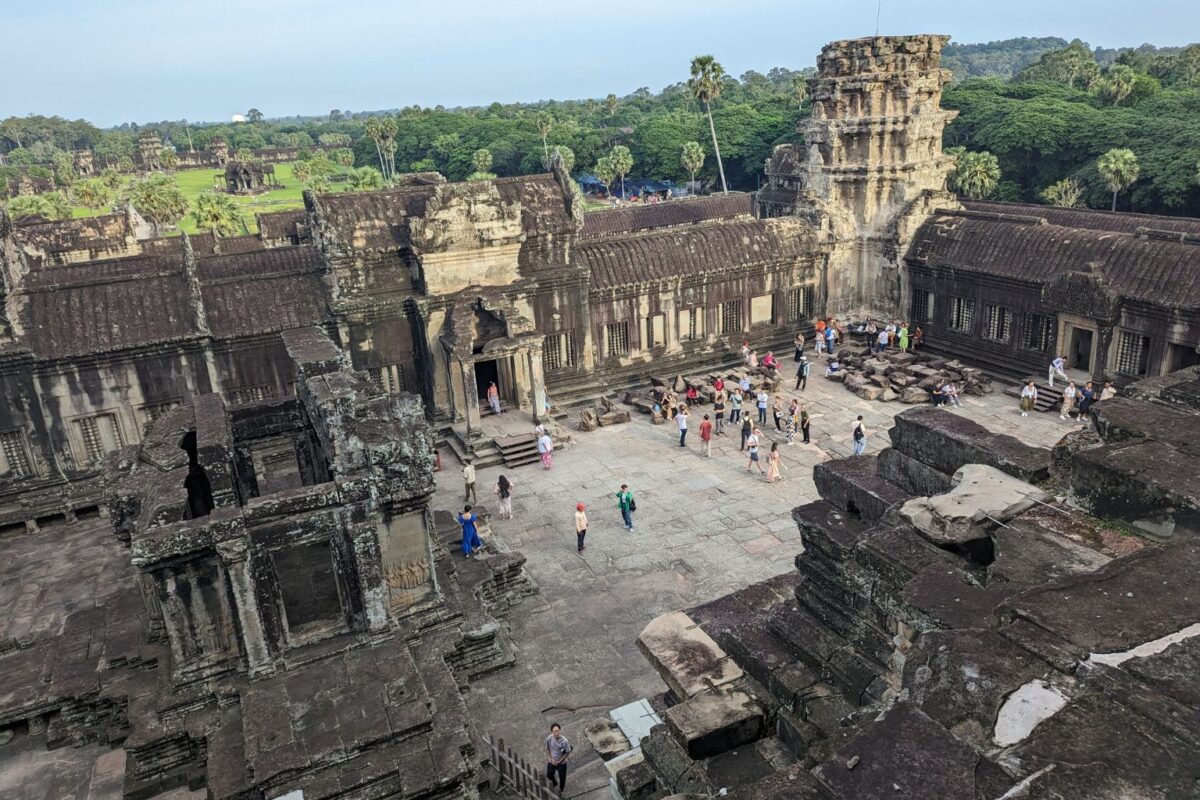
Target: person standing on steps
{"type": "Point", "coordinates": [902, 337]}
{"type": "Point", "coordinates": [469, 482]}
{"type": "Point", "coordinates": [503, 490]}
{"type": "Point", "coordinates": [470, 538]}
{"type": "Point", "coordinates": [858, 432]}
{"type": "Point", "coordinates": [706, 434]}
{"type": "Point", "coordinates": [558, 750]}
{"type": "Point", "coordinates": [802, 370]}
{"type": "Point", "coordinates": [1057, 367]}
{"type": "Point", "coordinates": [681, 419]}
{"type": "Point", "coordinates": [493, 397]}
{"type": "Point", "coordinates": [1029, 394]}
{"type": "Point", "coordinates": [580, 526]}
{"type": "Point", "coordinates": [626, 503]}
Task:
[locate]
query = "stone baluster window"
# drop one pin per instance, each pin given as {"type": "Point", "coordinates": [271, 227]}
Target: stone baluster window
{"type": "Point", "coordinates": [14, 458]}
{"type": "Point", "coordinates": [997, 323]}
{"type": "Point", "coordinates": [616, 338]}
{"type": "Point", "coordinates": [1133, 353]}
{"type": "Point", "coordinates": [962, 314]}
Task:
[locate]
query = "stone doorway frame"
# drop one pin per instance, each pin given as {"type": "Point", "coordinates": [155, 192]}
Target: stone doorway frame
{"type": "Point", "coordinates": [1067, 323]}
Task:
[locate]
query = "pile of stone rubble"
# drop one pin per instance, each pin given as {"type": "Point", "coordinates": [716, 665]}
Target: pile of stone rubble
{"type": "Point", "coordinates": [907, 377]}
{"type": "Point", "coordinates": [672, 391]}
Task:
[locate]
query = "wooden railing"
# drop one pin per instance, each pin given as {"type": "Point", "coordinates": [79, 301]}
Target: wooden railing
{"type": "Point", "coordinates": [528, 782]}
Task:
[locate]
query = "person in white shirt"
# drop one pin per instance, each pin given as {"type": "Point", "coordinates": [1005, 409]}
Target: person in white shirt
{"type": "Point", "coordinates": [1068, 401]}
{"type": "Point", "coordinates": [469, 481]}
{"type": "Point", "coordinates": [681, 420]}
{"type": "Point", "coordinates": [1029, 395]}
{"type": "Point", "coordinates": [881, 341]}
{"type": "Point", "coordinates": [1057, 367]}
{"type": "Point", "coordinates": [858, 433]}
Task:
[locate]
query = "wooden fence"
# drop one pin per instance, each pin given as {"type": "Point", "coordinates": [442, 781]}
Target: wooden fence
{"type": "Point", "coordinates": [529, 782]}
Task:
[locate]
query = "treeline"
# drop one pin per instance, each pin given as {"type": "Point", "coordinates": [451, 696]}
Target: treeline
{"type": "Point", "coordinates": [1046, 122]}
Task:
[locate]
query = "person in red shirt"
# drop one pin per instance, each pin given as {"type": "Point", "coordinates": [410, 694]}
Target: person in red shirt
{"type": "Point", "coordinates": [693, 396]}
{"type": "Point", "coordinates": [820, 335]}
{"type": "Point", "coordinates": [718, 385]}
{"type": "Point", "coordinates": [706, 428]}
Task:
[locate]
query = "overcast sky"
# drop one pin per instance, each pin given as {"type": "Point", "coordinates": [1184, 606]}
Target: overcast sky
{"type": "Point", "coordinates": [149, 60]}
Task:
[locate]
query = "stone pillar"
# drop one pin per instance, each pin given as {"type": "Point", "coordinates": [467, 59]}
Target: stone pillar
{"type": "Point", "coordinates": [234, 557]}
{"type": "Point", "coordinates": [471, 400]}
{"type": "Point", "coordinates": [1100, 359]}
{"type": "Point", "coordinates": [537, 382]}
{"type": "Point", "coordinates": [364, 543]}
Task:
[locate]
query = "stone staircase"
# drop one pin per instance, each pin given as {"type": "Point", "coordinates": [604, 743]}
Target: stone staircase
{"type": "Point", "coordinates": [517, 451]}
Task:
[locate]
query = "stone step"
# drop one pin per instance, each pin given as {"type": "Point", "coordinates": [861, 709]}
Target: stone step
{"type": "Point", "coordinates": [518, 450]}
{"type": "Point", "coordinates": [853, 484]}
{"type": "Point", "coordinates": [832, 657]}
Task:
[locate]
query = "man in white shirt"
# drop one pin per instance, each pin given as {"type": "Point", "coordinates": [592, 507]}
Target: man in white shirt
{"type": "Point", "coordinates": [858, 433]}
{"type": "Point", "coordinates": [881, 341]}
{"type": "Point", "coordinates": [469, 481]}
{"type": "Point", "coordinates": [681, 420]}
{"type": "Point", "coordinates": [1057, 367]}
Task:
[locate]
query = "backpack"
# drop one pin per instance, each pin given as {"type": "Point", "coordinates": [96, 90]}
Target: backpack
{"type": "Point", "coordinates": [858, 433]}
{"type": "Point", "coordinates": [632, 504]}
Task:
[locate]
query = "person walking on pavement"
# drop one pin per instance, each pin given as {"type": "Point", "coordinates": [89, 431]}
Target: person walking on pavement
{"type": "Point", "coordinates": [471, 542]}
{"type": "Point", "coordinates": [546, 448]}
{"type": "Point", "coordinates": [627, 505]}
{"type": "Point", "coordinates": [777, 413]}
{"type": "Point", "coordinates": [1057, 367]}
{"type": "Point", "coordinates": [762, 401]}
{"type": "Point", "coordinates": [1029, 394]}
{"type": "Point", "coordinates": [503, 490]}
{"type": "Point", "coordinates": [706, 434]}
{"type": "Point", "coordinates": [752, 446]}
{"type": "Point", "coordinates": [469, 482]}
{"type": "Point", "coordinates": [805, 424]}
{"type": "Point", "coordinates": [774, 464]}
{"type": "Point", "coordinates": [681, 419]}
{"type": "Point", "coordinates": [802, 370]}
{"type": "Point", "coordinates": [747, 429]}
{"type": "Point", "coordinates": [558, 750]}
{"type": "Point", "coordinates": [580, 526]}
{"type": "Point", "coordinates": [858, 432]}
{"type": "Point", "coordinates": [719, 412]}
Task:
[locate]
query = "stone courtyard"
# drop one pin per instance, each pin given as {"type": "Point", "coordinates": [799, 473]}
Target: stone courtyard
{"type": "Point", "coordinates": [704, 528]}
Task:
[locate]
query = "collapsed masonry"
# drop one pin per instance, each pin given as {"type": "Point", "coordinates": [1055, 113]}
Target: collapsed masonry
{"type": "Point", "coordinates": [951, 631]}
{"type": "Point", "coordinates": [292, 619]}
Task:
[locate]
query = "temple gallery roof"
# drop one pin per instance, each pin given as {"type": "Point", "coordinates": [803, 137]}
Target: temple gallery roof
{"type": "Point", "coordinates": [662, 215]}
{"type": "Point", "coordinates": [679, 252]}
{"type": "Point", "coordinates": [1157, 262]}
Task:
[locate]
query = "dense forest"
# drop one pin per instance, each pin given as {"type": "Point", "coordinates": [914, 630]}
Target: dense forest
{"type": "Point", "coordinates": [1040, 120]}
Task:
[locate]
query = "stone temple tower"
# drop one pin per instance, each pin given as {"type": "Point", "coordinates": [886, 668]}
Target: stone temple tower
{"type": "Point", "coordinates": [871, 167]}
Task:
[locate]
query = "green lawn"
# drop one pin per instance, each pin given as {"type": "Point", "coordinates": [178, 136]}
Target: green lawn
{"type": "Point", "coordinates": [194, 181]}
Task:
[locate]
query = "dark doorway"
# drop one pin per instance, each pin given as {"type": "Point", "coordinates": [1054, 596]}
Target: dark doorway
{"type": "Point", "coordinates": [485, 373]}
{"type": "Point", "coordinates": [1080, 354]}
{"type": "Point", "coordinates": [1180, 356]}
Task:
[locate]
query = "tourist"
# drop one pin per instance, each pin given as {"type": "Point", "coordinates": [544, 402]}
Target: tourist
{"type": "Point", "coordinates": [719, 412]}
{"type": "Point", "coordinates": [752, 447]}
{"type": "Point", "coordinates": [1108, 391]}
{"type": "Point", "coordinates": [902, 337]}
{"type": "Point", "coordinates": [747, 429]}
{"type": "Point", "coordinates": [918, 338]}
{"type": "Point", "coordinates": [493, 397]}
{"type": "Point", "coordinates": [546, 448]}
{"type": "Point", "coordinates": [718, 385]}
{"type": "Point", "coordinates": [777, 413]}
{"type": "Point", "coordinates": [832, 367]}
{"type": "Point", "coordinates": [706, 429]}
{"type": "Point", "coordinates": [744, 384]}
{"type": "Point", "coordinates": [746, 352]}
{"type": "Point", "coordinates": [692, 395]}
{"type": "Point", "coordinates": [1029, 395]}
{"type": "Point", "coordinates": [558, 750]}
{"type": "Point", "coordinates": [1057, 367]}
{"type": "Point", "coordinates": [858, 432]}
{"type": "Point", "coordinates": [769, 361]}
{"type": "Point", "coordinates": [871, 329]}
{"type": "Point", "coordinates": [762, 401]}
{"type": "Point", "coordinates": [735, 407]}
{"type": "Point", "coordinates": [627, 505]}
{"type": "Point", "coordinates": [802, 374]}
{"type": "Point", "coordinates": [831, 334]}
{"type": "Point", "coordinates": [937, 396]}
{"type": "Point", "coordinates": [503, 490]}
{"type": "Point", "coordinates": [819, 335]}
{"type": "Point", "coordinates": [774, 464]}
{"type": "Point", "coordinates": [806, 424]}
{"type": "Point", "coordinates": [468, 474]}
{"type": "Point", "coordinates": [681, 419]}
{"type": "Point", "coordinates": [792, 412]}
{"type": "Point", "coordinates": [752, 361]}
{"type": "Point", "coordinates": [1086, 397]}
{"type": "Point", "coordinates": [890, 330]}
{"type": "Point", "coordinates": [580, 527]}
{"type": "Point", "coordinates": [437, 457]}
{"type": "Point", "coordinates": [950, 392]}
{"type": "Point", "coordinates": [798, 344]}
{"type": "Point", "coordinates": [1068, 401]}
{"type": "Point", "coordinates": [538, 429]}
{"type": "Point", "coordinates": [881, 341]}
{"type": "Point", "coordinates": [471, 542]}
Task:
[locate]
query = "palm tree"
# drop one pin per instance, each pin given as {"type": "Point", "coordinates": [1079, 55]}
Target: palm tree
{"type": "Point", "coordinates": [610, 103]}
{"type": "Point", "coordinates": [975, 174]}
{"type": "Point", "coordinates": [388, 128]}
{"type": "Point", "coordinates": [622, 161]}
{"type": "Point", "coordinates": [1118, 84]}
{"type": "Point", "coordinates": [799, 90]}
{"type": "Point", "coordinates": [217, 213]}
{"type": "Point", "coordinates": [564, 154]}
{"type": "Point", "coordinates": [168, 158]}
{"type": "Point", "coordinates": [93, 195]}
{"type": "Point", "coordinates": [544, 123]}
{"type": "Point", "coordinates": [692, 158]}
{"type": "Point", "coordinates": [605, 172]}
{"type": "Point", "coordinates": [374, 131]}
{"type": "Point", "coordinates": [158, 199]}
{"type": "Point", "coordinates": [365, 179]}
{"type": "Point", "coordinates": [705, 84]}
{"type": "Point", "coordinates": [481, 160]}
{"type": "Point", "coordinates": [1119, 168]}
{"type": "Point", "coordinates": [1064, 194]}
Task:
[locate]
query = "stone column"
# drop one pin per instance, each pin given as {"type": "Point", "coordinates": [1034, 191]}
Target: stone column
{"type": "Point", "coordinates": [368, 564]}
{"type": "Point", "coordinates": [537, 382]}
{"type": "Point", "coordinates": [234, 557]}
{"type": "Point", "coordinates": [1103, 344]}
{"type": "Point", "coordinates": [471, 400]}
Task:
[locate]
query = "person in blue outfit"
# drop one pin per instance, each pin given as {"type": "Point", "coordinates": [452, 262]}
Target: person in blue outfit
{"type": "Point", "coordinates": [471, 542]}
